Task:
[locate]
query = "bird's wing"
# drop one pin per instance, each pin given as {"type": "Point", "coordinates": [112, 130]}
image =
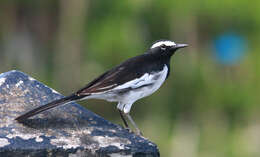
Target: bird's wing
{"type": "Point", "coordinates": [130, 74]}
{"type": "Point", "coordinates": [110, 80]}
{"type": "Point", "coordinates": [145, 79]}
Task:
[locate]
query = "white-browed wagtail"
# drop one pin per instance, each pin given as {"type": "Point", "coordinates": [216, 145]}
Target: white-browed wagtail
{"type": "Point", "coordinates": [126, 83]}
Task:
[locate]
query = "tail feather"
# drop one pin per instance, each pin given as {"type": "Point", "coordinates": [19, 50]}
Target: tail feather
{"type": "Point", "coordinates": [48, 106]}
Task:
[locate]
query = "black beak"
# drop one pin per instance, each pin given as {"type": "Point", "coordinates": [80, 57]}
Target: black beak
{"type": "Point", "coordinates": [177, 46]}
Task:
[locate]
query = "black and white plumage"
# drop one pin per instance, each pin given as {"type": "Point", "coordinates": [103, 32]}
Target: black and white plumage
{"type": "Point", "coordinates": [126, 83]}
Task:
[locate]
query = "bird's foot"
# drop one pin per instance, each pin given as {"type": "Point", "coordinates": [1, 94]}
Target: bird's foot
{"type": "Point", "coordinates": [139, 133]}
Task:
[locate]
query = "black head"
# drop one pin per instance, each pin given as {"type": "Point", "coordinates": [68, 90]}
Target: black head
{"type": "Point", "coordinates": [166, 47]}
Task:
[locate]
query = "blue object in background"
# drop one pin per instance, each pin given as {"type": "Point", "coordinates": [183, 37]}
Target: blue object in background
{"type": "Point", "coordinates": [230, 48]}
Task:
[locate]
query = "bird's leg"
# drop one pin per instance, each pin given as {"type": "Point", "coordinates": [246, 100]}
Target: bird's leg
{"type": "Point", "coordinates": [123, 118]}
{"type": "Point", "coordinates": [133, 123]}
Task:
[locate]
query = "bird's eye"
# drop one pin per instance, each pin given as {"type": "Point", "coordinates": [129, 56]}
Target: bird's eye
{"type": "Point", "coordinates": [163, 47]}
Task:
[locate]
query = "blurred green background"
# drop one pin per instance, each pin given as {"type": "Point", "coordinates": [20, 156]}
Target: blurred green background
{"type": "Point", "coordinates": [209, 106]}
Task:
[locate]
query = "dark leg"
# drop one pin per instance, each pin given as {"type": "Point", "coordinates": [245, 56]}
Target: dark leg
{"type": "Point", "coordinates": [123, 118]}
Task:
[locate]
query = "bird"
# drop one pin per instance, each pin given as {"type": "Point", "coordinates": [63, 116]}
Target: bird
{"type": "Point", "coordinates": [133, 79]}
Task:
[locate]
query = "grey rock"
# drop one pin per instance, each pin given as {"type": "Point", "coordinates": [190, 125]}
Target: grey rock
{"type": "Point", "coordinates": [69, 130]}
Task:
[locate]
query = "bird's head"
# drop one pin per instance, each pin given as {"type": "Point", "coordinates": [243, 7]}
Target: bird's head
{"type": "Point", "coordinates": [166, 47]}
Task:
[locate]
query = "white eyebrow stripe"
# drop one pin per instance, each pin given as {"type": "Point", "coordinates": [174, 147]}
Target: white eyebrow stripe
{"type": "Point", "coordinates": [167, 43]}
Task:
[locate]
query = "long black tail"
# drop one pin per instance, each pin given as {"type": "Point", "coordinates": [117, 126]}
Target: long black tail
{"type": "Point", "coordinates": [48, 106]}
